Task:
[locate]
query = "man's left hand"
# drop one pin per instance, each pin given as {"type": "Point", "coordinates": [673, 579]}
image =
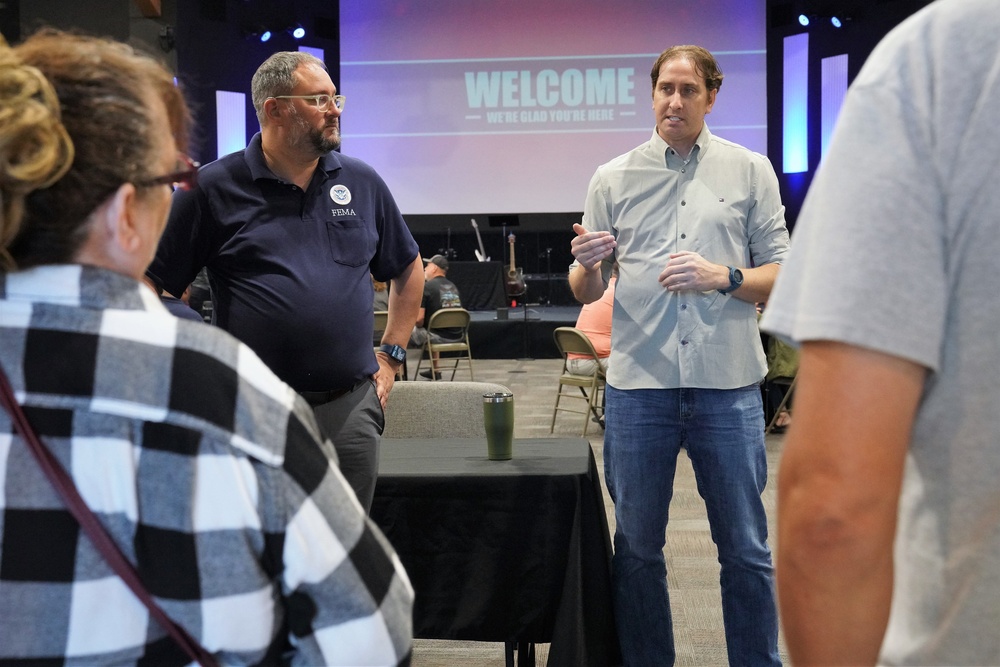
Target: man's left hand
{"type": "Point", "coordinates": [384, 378]}
{"type": "Point", "coordinates": [689, 271]}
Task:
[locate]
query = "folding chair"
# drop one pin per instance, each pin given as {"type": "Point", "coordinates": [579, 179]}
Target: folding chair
{"type": "Point", "coordinates": [790, 382]}
{"type": "Point", "coordinates": [782, 369]}
{"type": "Point", "coordinates": [448, 318]}
{"type": "Point", "coordinates": [571, 339]}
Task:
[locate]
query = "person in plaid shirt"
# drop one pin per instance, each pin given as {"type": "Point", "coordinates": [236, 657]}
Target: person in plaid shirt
{"type": "Point", "coordinates": [209, 473]}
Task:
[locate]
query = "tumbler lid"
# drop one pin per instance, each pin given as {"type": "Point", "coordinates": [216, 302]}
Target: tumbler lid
{"type": "Point", "coordinates": [498, 397]}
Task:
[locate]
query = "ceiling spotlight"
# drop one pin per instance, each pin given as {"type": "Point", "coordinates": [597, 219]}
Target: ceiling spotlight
{"type": "Point", "coordinates": [803, 20]}
{"type": "Point", "coordinates": [266, 35]}
{"type": "Point", "coordinates": [298, 32]}
{"type": "Point", "coordinates": [836, 22]}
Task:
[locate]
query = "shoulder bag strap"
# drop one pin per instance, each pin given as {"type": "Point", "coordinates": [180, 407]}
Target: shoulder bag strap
{"type": "Point", "coordinates": [63, 484]}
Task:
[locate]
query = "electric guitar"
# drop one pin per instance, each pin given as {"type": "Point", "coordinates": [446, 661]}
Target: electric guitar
{"type": "Point", "coordinates": [515, 277]}
{"type": "Point", "coordinates": [481, 253]}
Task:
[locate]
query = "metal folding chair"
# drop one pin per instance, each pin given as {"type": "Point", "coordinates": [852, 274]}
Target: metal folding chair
{"type": "Point", "coordinates": [572, 340]}
{"type": "Point", "coordinates": [448, 318]}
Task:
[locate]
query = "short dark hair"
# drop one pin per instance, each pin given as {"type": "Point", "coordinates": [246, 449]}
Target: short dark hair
{"type": "Point", "coordinates": [276, 76]}
{"type": "Point", "coordinates": [704, 63]}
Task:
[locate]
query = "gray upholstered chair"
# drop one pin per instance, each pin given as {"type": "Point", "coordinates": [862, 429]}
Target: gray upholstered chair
{"type": "Point", "coordinates": [437, 409]}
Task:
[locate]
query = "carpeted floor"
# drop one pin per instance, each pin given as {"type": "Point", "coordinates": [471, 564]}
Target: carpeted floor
{"type": "Point", "coordinates": [692, 564]}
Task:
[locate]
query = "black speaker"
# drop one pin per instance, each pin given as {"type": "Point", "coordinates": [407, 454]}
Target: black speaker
{"type": "Point", "coordinates": [213, 10]}
{"type": "Point", "coordinates": [10, 20]}
{"type": "Point", "coordinates": [504, 220]}
{"type": "Point", "coordinates": [326, 28]}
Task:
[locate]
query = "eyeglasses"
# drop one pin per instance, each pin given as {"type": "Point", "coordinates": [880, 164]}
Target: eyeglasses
{"type": "Point", "coordinates": [321, 102]}
{"type": "Point", "coordinates": [184, 179]}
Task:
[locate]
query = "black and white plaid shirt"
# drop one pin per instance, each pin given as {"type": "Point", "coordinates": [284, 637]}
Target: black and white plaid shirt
{"type": "Point", "coordinates": [209, 473]}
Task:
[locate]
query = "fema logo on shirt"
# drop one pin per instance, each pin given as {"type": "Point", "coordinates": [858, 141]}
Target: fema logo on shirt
{"type": "Point", "coordinates": [340, 194]}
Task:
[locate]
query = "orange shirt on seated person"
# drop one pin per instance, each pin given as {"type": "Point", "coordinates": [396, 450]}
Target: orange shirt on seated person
{"type": "Point", "coordinates": [595, 321]}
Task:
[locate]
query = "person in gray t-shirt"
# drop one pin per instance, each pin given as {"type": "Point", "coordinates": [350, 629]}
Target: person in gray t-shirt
{"type": "Point", "coordinates": [888, 495]}
{"type": "Point", "coordinates": [439, 293]}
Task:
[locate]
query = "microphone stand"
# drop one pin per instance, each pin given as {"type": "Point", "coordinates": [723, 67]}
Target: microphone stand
{"type": "Point", "coordinates": [548, 276]}
{"type": "Point", "coordinates": [524, 305]}
{"type": "Point", "coordinates": [503, 255]}
{"type": "Point", "coordinates": [448, 251]}
{"type": "Point", "coordinates": [523, 295]}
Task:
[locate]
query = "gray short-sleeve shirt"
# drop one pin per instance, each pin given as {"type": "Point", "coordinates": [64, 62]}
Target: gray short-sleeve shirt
{"type": "Point", "coordinates": [896, 250]}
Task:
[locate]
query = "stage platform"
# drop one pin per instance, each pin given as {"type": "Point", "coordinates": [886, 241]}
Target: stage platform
{"type": "Point", "coordinates": [481, 285]}
{"type": "Point", "coordinates": [515, 338]}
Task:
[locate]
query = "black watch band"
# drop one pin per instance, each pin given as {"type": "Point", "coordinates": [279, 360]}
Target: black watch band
{"type": "Point", "coordinates": [394, 352]}
{"type": "Point", "coordinates": [735, 280]}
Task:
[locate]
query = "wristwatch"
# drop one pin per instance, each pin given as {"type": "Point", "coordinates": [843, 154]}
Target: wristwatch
{"type": "Point", "coordinates": [735, 280]}
{"type": "Point", "coordinates": [395, 352]}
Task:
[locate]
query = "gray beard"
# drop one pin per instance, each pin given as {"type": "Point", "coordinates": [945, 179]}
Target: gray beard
{"type": "Point", "coordinates": [314, 139]}
{"type": "Point", "coordinates": [320, 143]}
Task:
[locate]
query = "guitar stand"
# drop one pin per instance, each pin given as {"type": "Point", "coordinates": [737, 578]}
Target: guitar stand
{"type": "Point", "coordinates": [517, 282]}
{"type": "Point", "coordinates": [524, 328]}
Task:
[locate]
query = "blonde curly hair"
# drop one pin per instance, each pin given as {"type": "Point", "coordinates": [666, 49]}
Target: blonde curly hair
{"type": "Point", "coordinates": [75, 124]}
{"type": "Point", "coordinates": [35, 148]}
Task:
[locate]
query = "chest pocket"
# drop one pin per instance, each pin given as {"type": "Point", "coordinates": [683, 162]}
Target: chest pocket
{"type": "Point", "coordinates": [352, 242]}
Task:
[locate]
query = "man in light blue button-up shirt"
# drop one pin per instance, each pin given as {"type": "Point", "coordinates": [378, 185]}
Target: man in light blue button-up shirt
{"type": "Point", "coordinates": [696, 225]}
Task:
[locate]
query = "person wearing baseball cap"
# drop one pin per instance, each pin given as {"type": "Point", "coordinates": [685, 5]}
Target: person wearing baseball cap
{"type": "Point", "coordinates": [439, 261]}
{"type": "Point", "coordinates": [439, 292]}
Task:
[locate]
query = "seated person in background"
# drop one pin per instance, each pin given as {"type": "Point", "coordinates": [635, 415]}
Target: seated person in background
{"type": "Point", "coordinates": [177, 307]}
{"type": "Point", "coordinates": [594, 320]}
{"type": "Point", "coordinates": [208, 472]}
{"type": "Point", "coordinates": [439, 292]}
{"type": "Point", "coordinates": [380, 302]}
{"type": "Point", "coordinates": [782, 362]}
{"type": "Point", "coordinates": [199, 293]}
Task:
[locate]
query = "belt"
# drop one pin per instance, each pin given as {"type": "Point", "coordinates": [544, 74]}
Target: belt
{"type": "Point", "coordinates": [315, 398]}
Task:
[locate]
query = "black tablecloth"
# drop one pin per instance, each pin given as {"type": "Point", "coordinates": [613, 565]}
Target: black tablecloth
{"type": "Point", "coordinates": [480, 284]}
{"type": "Point", "coordinates": [513, 550]}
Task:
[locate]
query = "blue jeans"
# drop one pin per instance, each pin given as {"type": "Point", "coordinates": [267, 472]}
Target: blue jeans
{"type": "Point", "coordinates": [723, 433]}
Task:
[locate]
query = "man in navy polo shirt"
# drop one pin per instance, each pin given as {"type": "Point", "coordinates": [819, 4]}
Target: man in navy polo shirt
{"type": "Point", "coordinates": [291, 233]}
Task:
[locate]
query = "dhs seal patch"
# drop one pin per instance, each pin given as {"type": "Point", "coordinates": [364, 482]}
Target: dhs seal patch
{"type": "Point", "coordinates": [340, 194]}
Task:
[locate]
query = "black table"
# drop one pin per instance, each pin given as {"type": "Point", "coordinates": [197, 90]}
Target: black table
{"type": "Point", "coordinates": [504, 551]}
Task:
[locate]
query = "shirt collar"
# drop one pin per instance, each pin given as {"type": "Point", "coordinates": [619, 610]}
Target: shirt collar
{"type": "Point", "coordinates": [254, 153]}
{"type": "Point", "coordinates": [699, 149]}
{"type": "Point", "coordinates": [78, 285]}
